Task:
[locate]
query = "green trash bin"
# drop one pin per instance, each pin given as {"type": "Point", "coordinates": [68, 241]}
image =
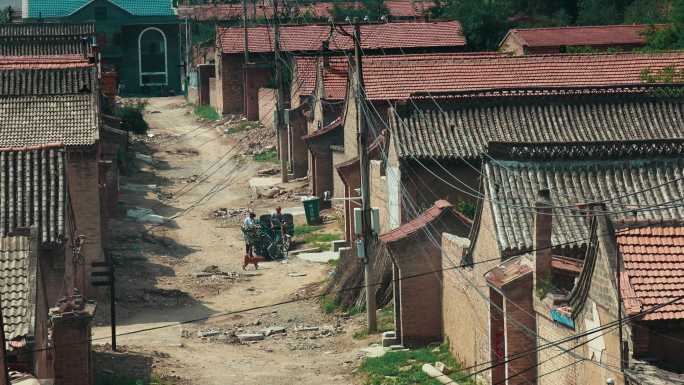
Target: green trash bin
{"type": "Point", "coordinates": [312, 210]}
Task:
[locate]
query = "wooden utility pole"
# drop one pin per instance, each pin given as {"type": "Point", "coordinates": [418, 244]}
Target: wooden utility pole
{"type": "Point", "coordinates": [4, 370]}
{"type": "Point", "coordinates": [244, 27]}
{"type": "Point", "coordinates": [280, 126]}
{"type": "Point", "coordinates": [364, 161]}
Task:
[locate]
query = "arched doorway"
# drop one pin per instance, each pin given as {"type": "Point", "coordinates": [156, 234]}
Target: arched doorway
{"type": "Point", "coordinates": [152, 57]}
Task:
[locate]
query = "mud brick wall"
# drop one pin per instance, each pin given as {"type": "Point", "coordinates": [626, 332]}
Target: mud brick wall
{"type": "Point", "coordinates": [229, 79]}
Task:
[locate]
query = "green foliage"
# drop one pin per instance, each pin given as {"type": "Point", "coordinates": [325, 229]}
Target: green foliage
{"type": "Point", "coordinates": [131, 116]}
{"type": "Point", "coordinates": [485, 22]}
{"type": "Point", "coordinates": [5, 15]}
{"type": "Point", "coordinates": [645, 12]}
{"type": "Point", "coordinates": [666, 75]}
{"type": "Point", "coordinates": [312, 236]}
{"type": "Point", "coordinates": [267, 156]}
{"type": "Point", "coordinates": [466, 208]}
{"type": "Point", "coordinates": [544, 286]}
{"type": "Point", "coordinates": [207, 112]}
{"type": "Point", "coordinates": [374, 9]}
{"type": "Point", "coordinates": [385, 322]}
{"type": "Point", "coordinates": [597, 12]}
{"type": "Point", "coordinates": [329, 305]}
{"type": "Point", "coordinates": [405, 368]}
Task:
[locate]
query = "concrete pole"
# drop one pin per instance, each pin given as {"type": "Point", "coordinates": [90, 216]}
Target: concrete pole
{"type": "Point", "coordinates": [280, 126]}
{"type": "Point", "coordinates": [364, 162]}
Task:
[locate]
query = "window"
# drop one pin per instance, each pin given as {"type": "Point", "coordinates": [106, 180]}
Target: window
{"type": "Point", "coordinates": [100, 13]}
{"type": "Point", "coordinates": [152, 57]}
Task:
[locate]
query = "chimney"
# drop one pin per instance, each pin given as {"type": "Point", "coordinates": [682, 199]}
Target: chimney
{"type": "Point", "coordinates": [542, 234]}
{"type": "Point", "coordinates": [326, 54]}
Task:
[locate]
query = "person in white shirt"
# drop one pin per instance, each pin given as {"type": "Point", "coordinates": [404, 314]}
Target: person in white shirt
{"type": "Point", "coordinates": [249, 225]}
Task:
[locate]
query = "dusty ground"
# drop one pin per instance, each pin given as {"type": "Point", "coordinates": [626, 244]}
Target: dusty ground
{"type": "Point", "coordinates": [160, 292]}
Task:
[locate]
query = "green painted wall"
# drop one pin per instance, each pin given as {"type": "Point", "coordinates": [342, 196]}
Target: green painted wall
{"type": "Point", "coordinates": [118, 34]}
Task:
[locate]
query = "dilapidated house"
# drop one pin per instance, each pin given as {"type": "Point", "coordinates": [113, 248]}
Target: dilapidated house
{"type": "Point", "coordinates": [38, 268]}
{"type": "Point", "coordinates": [541, 267]}
{"type": "Point", "coordinates": [55, 99]}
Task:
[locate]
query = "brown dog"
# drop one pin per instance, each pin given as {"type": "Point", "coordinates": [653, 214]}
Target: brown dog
{"type": "Point", "coordinates": [254, 260]}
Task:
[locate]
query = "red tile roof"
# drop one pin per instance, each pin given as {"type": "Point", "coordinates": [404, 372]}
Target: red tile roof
{"type": "Point", "coordinates": [398, 79]}
{"type": "Point", "coordinates": [302, 38]}
{"type": "Point", "coordinates": [421, 221]}
{"type": "Point", "coordinates": [603, 35]}
{"type": "Point", "coordinates": [335, 78]}
{"type": "Point", "coordinates": [324, 130]}
{"type": "Point", "coordinates": [43, 62]}
{"type": "Point", "coordinates": [654, 269]}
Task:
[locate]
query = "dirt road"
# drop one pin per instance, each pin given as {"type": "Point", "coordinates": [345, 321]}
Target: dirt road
{"type": "Point", "coordinates": [161, 285]}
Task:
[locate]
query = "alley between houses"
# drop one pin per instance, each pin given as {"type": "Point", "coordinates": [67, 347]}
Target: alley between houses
{"type": "Point", "coordinates": [190, 268]}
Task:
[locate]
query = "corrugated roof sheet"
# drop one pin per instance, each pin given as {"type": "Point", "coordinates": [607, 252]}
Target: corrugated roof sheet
{"type": "Point", "coordinates": [61, 8]}
{"type": "Point", "coordinates": [512, 185]}
{"type": "Point", "coordinates": [466, 131]}
{"type": "Point", "coordinates": [33, 191]}
{"type": "Point", "coordinates": [18, 269]}
{"type": "Point", "coordinates": [398, 80]}
{"type": "Point", "coordinates": [302, 38]}
{"type": "Point", "coordinates": [43, 119]}
{"type": "Point", "coordinates": [654, 261]}
{"type": "Point", "coordinates": [595, 35]}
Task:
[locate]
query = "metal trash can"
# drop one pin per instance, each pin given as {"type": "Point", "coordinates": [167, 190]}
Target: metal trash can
{"type": "Point", "coordinates": [312, 210]}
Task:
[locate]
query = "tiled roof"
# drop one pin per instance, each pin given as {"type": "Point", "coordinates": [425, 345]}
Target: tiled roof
{"type": "Point", "coordinates": [43, 62]}
{"type": "Point", "coordinates": [625, 182]}
{"type": "Point", "coordinates": [421, 221]}
{"type": "Point", "coordinates": [318, 10]}
{"type": "Point", "coordinates": [599, 35]}
{"type": "Point", "coordinates": [337, 123]}
{"type": "Point", "coordinates": [40, 78]}
{"type": "Point", "coordinates": [37, 120]}
{"type": "Point", "coordinates": [306, 38]}
{"type": "Point", "coordinates": [18, 270]}
{"type": "Point", "coordinates": [33, 191]}
{"type": "Point", "coordinates": [653, 257]}
{"type": "Point", "coordinates": [335, 78]}
{"type": "Point", "coordinates": [391, 80]}
{"type": "Point", "coordinates": [62, 8]}
{"type": "Point", "coordinates": [18, 39]}
{"type": "Point", "coordinates": [464, 131]}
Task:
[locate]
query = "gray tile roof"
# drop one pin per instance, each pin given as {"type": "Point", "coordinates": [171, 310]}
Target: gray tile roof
{"type": "Point", "coordinates": [18, 268]}
{"type": "Point", "coordinates": [36, 120]}
{"type": "Point", "coordinates": [574, 177]}
{"type": "Point", "coordinates": [465, 131]}
{"type": "Point", "coordinates": [33, 191]}
{"type": "Point", "coordinates": [48, 81]}
{"type": "Point", "coordinates": [18, 39]}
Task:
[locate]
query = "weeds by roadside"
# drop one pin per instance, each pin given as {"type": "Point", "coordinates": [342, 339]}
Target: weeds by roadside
{"type": "Point", "coordinates": [312, 236]}
{"type": "Point", "coordinates": [131, 116]}
{"type": "Point", "coordinates": [405, 368]}
{"type": "Point", "coordinates": [385, 321]}
{"type": "Point", "coordinates": [207, 112]}
{"type": "Point", "coordinates": [267, 156]}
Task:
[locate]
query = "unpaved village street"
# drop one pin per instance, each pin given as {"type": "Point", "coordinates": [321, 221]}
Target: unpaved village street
{"type": "Point", "coordinates": [191, 268]}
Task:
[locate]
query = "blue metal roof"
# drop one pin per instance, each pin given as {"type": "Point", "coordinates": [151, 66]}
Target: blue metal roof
{"type": "Point", "coordinates": [62, 8]}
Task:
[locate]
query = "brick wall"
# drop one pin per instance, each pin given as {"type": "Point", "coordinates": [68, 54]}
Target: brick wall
{"type": "Point", "coordinates": [420, 296]}
{"type": "Point", "coordinates": [337, 185]}
{"type": "Point", "coordinates": [378, 193]}
{"type": "Point", "coordinates": [72, 359]}
{"type": "Point", "coordinates": [298, 151]}
{"type": "Point", "coordinates": [350, 129]}
{"type": "Point", "coordinates": [520, 328]}
{"type": "Point", "coordinates": [255, 79]}
{"type": "Point", "coordinates": [83, 174]}
{"type": "Point", "coordinates": [465, 312]}
{"type": "Point", "coordinates": [229, 79]}
{"type": "Point", "coordinates": [267, 106]}
{"type": "Point", "coordinates": [510, 45]}
{"type": "Point", "coordinates": [551, 360]}
{"type": "Point", "coordinates": [205, 73]}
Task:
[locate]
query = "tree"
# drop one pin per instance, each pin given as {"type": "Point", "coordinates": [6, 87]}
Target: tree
{"type": "Point", "coordinates": [485, 22]}
{"type": "Point", "coordinates": [672, 36]}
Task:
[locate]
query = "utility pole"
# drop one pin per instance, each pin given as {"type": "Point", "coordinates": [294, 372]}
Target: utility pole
{"type": "Point", "coordinates": [364, 161]}
{"type": "Point", "coordinates": [4, 370]}
{"type": "Point", "coordinates": [244, 27]}
{"type": "Point", "coordinates": [280, 126]}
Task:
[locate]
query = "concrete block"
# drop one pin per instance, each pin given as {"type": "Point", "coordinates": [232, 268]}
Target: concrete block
{"type": "Point", "coordinates": [337, 245]}
{"type": "Point", "coordinates": [248, 337]}
{"type": "Point", "coordinates": [274, 330]}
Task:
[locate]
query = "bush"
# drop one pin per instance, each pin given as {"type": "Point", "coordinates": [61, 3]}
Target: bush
{"type": "Point", "coordinates": [207, 112]}
{"type": "Point", "coordinates": [132, 119]}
